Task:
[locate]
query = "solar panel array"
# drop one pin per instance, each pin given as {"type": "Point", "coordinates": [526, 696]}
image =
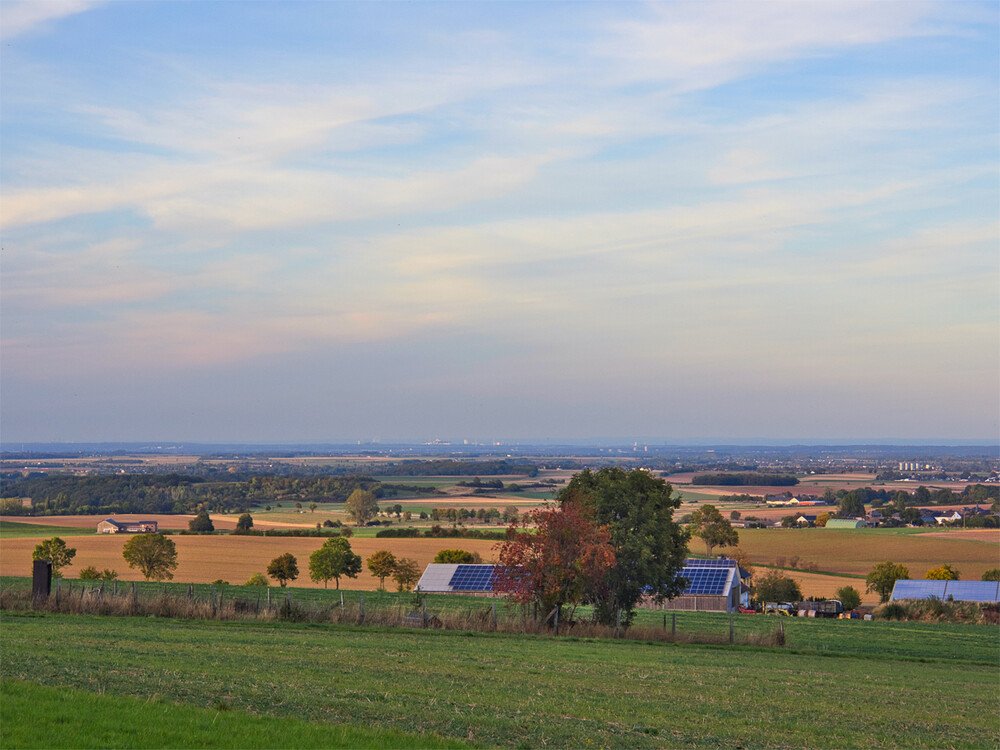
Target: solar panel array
{"type": "Point", "coordinates": [962, 591]}
{"type": "Point", "coordinates": [972, 591]}
{"type": "Point", "coordinates": [905, 589]}
{"type": "Point", "coordinates": [705, 581]}
{"type": "Point", "coordinates": [472, 578]}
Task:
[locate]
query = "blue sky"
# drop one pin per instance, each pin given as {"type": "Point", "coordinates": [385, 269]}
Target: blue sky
{"type": "Point", "coordinates": [340, 221]}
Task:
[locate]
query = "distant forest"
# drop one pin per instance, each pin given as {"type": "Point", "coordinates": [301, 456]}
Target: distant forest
{"type": "Point", "coordinates": [62, 494]}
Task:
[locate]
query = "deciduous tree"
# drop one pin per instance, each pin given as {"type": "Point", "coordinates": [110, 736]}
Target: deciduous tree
{"type": "Point", "coordinates": [713, 528]}
{"type": "Point", "coordinates": [883, 577]}
{"type": "Point", "coordinates": [334, 560]}
{"type": "Point", "coordinates": [245, 522]}
{"type": "Point", "coordinates": [849, 596]}
{"type": "Point", "coordinates": [382, 564]}
{"type": "Point", "coordinates": [944, 573]}
{"type": "Point", "coordinates": [153, 554]}
{"type": "Point", "coordinates": [648, 545]}
{"type": "Point", "coordinates": [459, 556]}
{"type": "Point", "coordinates": [201, 523]}
{"type": "Point", "coordinates": [406, 573]}
{"type": "Point", "coordinates": [775, 586]}
{"type": "Point", "coordinates": [362, 505]}
{"type": "Point", "coordinates": [566, 556]}
{"type": "Point", "coordinates": [55, 551]}
{"type": "Point", "coordinates": [284, 568]}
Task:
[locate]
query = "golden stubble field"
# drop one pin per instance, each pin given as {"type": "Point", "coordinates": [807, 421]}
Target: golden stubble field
{"type": "Point", "coordinates": [203, 559]}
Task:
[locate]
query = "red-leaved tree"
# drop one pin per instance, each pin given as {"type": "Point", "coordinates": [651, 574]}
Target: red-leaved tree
{"type": "Point", "coordinates": [565, 556]}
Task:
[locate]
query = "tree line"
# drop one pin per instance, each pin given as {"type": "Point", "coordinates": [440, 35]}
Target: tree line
{"type": "Point", "coordinates": [745, 479]}
{"type": "Point", "coordinates": [60, 494]}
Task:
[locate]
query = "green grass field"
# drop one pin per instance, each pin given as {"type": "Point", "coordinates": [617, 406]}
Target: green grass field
{"type": "Point", "coordinates": [17, 530]}
{"type": "Point", "coordinates": [516, 691]}
{"type": "Point", "coordinates": [69, 718]}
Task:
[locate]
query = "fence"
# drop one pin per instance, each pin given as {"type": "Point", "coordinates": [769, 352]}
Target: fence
{"type": "Point", "coordinates": [238, 603]}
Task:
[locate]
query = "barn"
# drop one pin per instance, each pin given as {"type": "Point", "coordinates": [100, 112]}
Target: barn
{"type": "Point", "coordinates": [450, 578]}
{"type": "Point", "coordinates": [718, 585]}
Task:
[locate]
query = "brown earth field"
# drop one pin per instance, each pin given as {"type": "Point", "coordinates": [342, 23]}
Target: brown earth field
{"type": "Point", "coordinates": [203, 559]}
{"type": "Point", "coordinates": [857, 551]}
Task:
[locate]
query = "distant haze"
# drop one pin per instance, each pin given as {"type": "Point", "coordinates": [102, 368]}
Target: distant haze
{"type": "Point", "coordinates": [319, 221]}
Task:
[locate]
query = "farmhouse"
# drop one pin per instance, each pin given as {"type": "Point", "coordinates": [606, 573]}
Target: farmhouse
{"type": "Point", "coordinates": [719, 585]}
{"type": "Point", "coordinates": [111, 526]}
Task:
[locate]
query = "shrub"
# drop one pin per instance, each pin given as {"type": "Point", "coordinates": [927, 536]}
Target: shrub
{"type": "Point", "coordinates": [257, 579]}
{"type": "Point", "coordinates": [90, 573]}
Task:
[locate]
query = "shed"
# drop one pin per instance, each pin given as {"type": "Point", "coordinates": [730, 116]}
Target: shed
{"type": "Point", "coordinates": [845, 523]}
{"type": "Point", "coordinates": [451, 578]}
{"type": "Point", "coordinates": [719, 585]}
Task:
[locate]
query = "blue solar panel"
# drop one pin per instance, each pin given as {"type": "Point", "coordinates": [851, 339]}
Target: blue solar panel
{"type": "Point", "coordinates": [972, 591]}
{"type": "Point", "coordinates": [706, 581]}
{"type": "Point", "coordinates": [905, 589]}
{"type": "Point", "coordinates": [472, 578]}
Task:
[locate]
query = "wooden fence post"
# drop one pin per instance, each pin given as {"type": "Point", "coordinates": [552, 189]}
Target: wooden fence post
{"type": "Point", "coordinates": [731, 620]}
{"type": "Point", "coordinates": [361, 615]}
{"type": "Point", "coordinates": [618, 624]}
{"type": "Point", "coordinates": [673, 625]}
{"type": "Point", "coordinates": [556, 622]}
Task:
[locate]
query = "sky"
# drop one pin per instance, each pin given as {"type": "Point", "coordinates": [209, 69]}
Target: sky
{"type": "Point", "coordinates": [339, 221]}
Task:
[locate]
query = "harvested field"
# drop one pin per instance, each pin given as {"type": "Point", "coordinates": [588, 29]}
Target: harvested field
{"type": "Point", "coordinates": [857, 551]}
{"type": "Point", "coordinates": [203, 559]}
{"type": "Point", "coordinates": [971, 535]}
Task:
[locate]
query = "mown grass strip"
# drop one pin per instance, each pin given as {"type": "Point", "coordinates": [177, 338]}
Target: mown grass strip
{"type": "Point", "coordinates": [35, 716]}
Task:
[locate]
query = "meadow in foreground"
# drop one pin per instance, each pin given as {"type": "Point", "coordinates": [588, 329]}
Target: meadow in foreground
{"type": "Point", "coordinates": [524, 691]}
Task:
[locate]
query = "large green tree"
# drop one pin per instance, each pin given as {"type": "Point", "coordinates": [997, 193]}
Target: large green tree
{"type": "Point", "coordinates": [55, 551]}
{"type": "Point", "coordinates": [153, 554]}
{"type": "Point", "coordinates": [362, 505]}
{"type": "Point", "coordinates": [883, 577]}
{"type": "Point", "coordinates": [851, 505]}
{"type": "Point", "coordinates": [201, 523]}
{"type": "Point", "coordinates": [714, 529]}
{"type": "Point", "coordinates": [649, 546]}
{"type": "Point", "coordinates": [334, 560]}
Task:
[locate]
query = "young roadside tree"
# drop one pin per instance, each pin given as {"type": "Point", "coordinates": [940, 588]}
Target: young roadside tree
{"type": "Point", "coordinates": [382, 564]}
{"type": "Point", "coordinates": [883, 577]}
{"type": "Point", "coordinates": [245, 522]}
{"type": "Point", "coordinates": [55, 551]}
{"type": "Point", "coordinates": [649, 546]}
{"type": "Point", "coordinates": [713, 528]}
{"type": "Point", "coordinates": [406, 573]}
{"type": "Point", "coordinates": [334, 560]}
{"type": "Point", "coordinates": [201, 523]}
{"type": "Point", "coordinates": [565, 557]}
{"type": "Point", "coordinates": [944, 573]}
{"type": "Point", "coordinates": [775, 586]}
{"type": "Point", "coordinates": [153, 554]}
{"type": "Point", "coordinates": [362, 505]}
{"type": "Point", "coordinates": [849, 596]}
{"type": "Point", "coordinates": [284, 568]}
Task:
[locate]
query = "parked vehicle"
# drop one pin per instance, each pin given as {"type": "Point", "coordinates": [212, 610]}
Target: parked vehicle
{"type": "Point", "coordinates": [780, 608]}
{"type": "Point", "coordinates": [827, 608]}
